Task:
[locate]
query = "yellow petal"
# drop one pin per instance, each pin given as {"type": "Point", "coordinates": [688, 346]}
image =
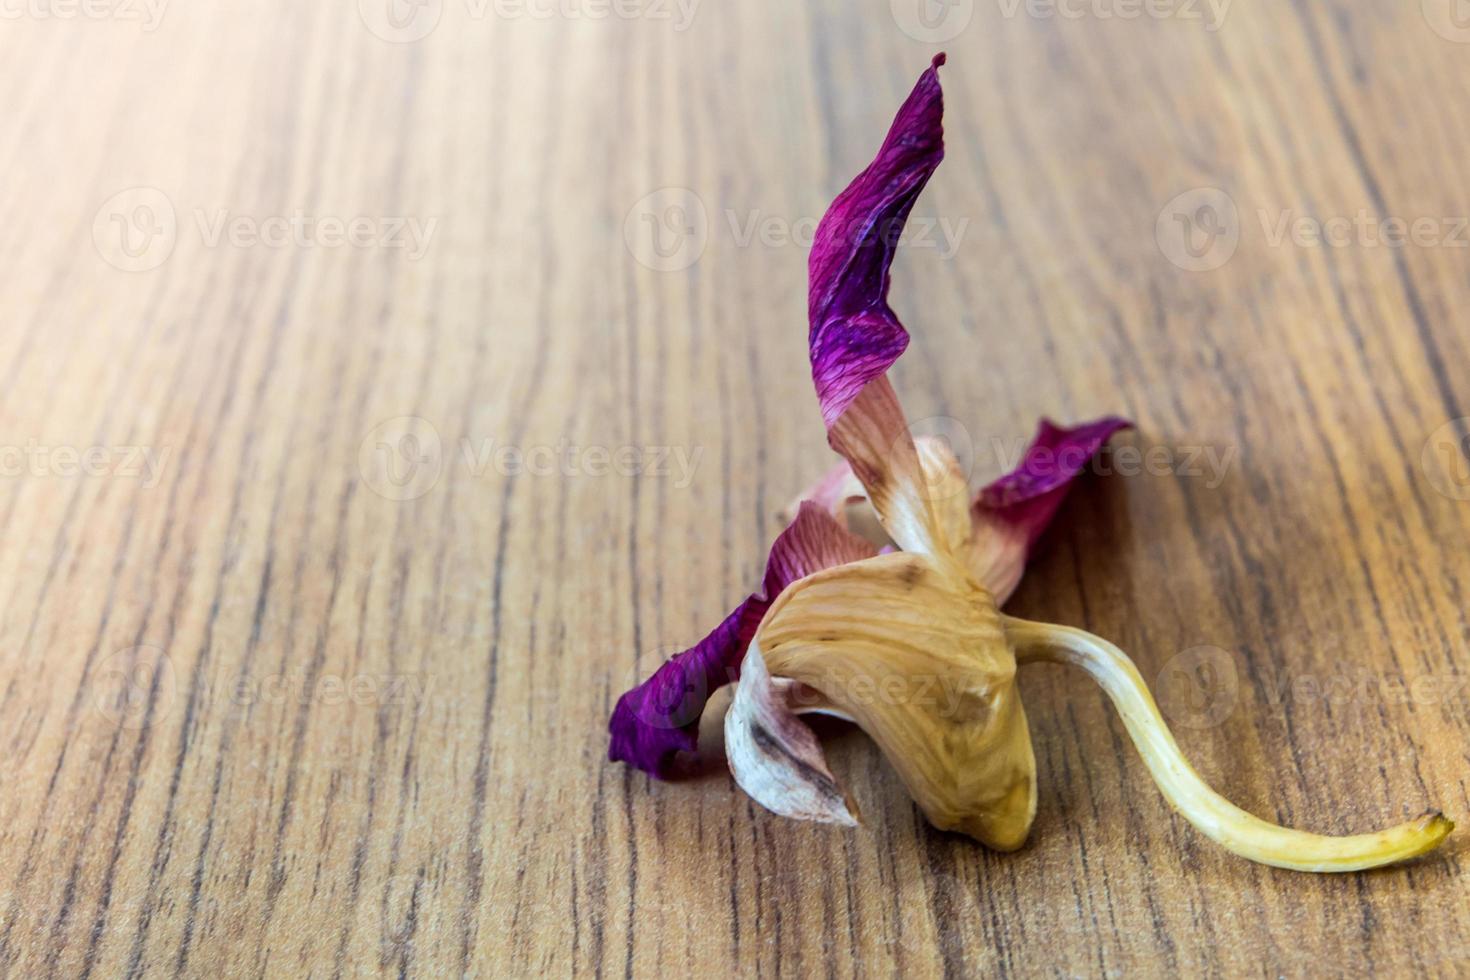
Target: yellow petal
{"type": "Point", "coordinates": [913, 651]}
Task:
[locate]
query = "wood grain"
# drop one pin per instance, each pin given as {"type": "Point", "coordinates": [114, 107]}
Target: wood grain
{"type": "Point", "coordinates": [268, 707]}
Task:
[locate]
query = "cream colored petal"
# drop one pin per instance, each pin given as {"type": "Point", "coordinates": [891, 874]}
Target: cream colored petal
{"type": "Point", "coordinates": [873, 436]}
{"type": "Point", "coordinates": [1219, 819]}
{"type": "Point", "coordinates": [994, 550]}
{"type": "Point", "coordinates": [913, 651]}
{"type": "Point", "coordinates": [834, 492]}
{"type": "Point", "coordinates": [944, 485]}
{"type": "Point", "coordinates": [773, 754]}
{"type": "Point", "coordinates": [995, 553]}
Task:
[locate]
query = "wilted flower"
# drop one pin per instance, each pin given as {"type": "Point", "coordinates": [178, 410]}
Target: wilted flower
{"type": "Point", "coordinates": [840, 617]}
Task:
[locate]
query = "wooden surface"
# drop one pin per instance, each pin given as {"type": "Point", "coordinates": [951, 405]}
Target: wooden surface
{"type": "Point", "coordinates": [269, 707]}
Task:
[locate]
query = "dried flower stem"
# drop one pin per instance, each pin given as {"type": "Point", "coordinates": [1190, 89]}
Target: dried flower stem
{"type": "Point", "coordinates": [1218, 818]}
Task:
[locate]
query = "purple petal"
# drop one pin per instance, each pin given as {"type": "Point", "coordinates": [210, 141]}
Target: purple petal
{"type": "Point", "coordinates": [659, 718]}
{"type": "Point", "coordinates": [1027, 497]}
{"type": "Point", "coordinates": [854, 336]}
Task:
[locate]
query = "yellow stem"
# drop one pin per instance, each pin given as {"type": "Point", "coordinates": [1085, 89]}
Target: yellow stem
{"type": "Point", "coordinates": [1216, 817]}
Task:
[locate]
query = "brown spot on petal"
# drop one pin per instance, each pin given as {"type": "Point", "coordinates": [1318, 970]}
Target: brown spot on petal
{"type": "Point", "coordinates": [911, 575]}
{"type": "Point", "coordinates": [772, 746]}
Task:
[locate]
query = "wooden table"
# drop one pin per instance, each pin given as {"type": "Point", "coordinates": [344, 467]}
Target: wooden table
{"type": "Point", "coordinates": [361, 444]}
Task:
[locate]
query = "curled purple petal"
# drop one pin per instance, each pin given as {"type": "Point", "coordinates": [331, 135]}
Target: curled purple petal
{"type": "Point", "coordinates": [1028, 497]}
{"type": "Point", "coordinates": [855, 337]}
{"type": "Point", "coordinates": [659, 718]}
{"type": "Point", "coordinates": [1010, 514]}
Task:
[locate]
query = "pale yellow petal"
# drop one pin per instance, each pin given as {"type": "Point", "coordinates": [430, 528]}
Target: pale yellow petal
{"type": "Point", "coordinates": [914, 652]}
{"type": "Point", "coordinates": [873, 436]}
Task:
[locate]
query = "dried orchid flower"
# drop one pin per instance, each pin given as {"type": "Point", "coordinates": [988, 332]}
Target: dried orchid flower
{"type": "Point", "coordinates": [910, 644]}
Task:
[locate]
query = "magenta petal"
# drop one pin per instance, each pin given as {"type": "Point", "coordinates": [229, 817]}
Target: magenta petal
{"type": "Point", "coordinates": [854, 336]}
{"type": "Point", "coordinates": [1028, 496]}
{"type": "Point", "coordinates": [659, 718]}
